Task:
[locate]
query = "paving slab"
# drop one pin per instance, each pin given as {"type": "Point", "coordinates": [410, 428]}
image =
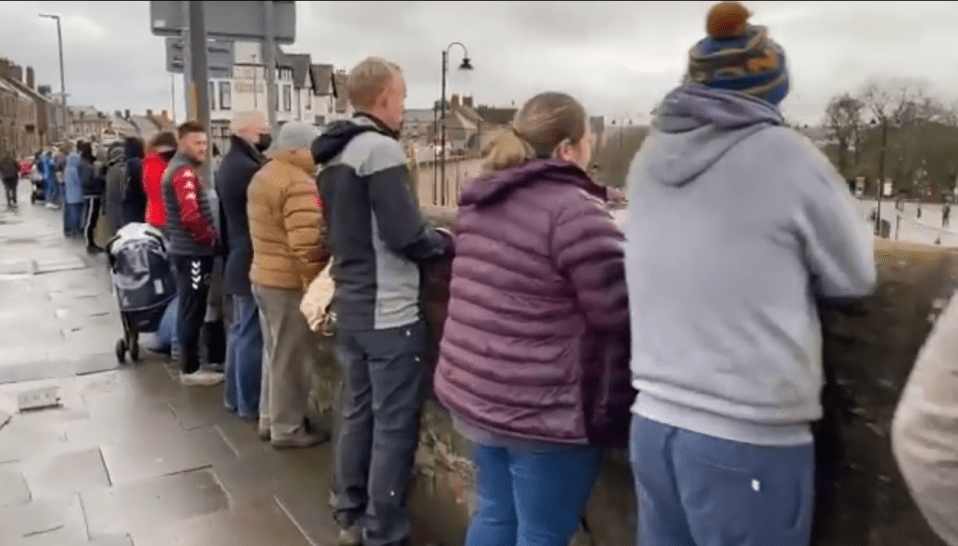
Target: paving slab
{"type": "Point", "coordinates": [142, 508]}
{"type": "Point", "coordinates": [61, 518]}
{"type": "Point", "coordinates": [13, 486]}
{"type": "Point", "coordinates": [71, 472]}
{"type": "Point", "coordinates": [258, 523]}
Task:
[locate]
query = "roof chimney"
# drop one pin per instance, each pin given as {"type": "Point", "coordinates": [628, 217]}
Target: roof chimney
{"type": "Point", "coordinates": [5, 68]}
{"type": "Point", "coordinates": [165, 115]}
{"type": "Point", "coordinates": [467, 101]}
{"type": "Point", "coordinates": [16, 73]}
{"type": "Point", "coordinates": [117, 114]}
{"type": "Point", "coordinates": [126, 114]}
{"type": "Point", "coordinates": [30, 76]}
{"type": "Point", "coordinates": [149, 113]}
{"type": "Point", "coordinates": [454, 101]}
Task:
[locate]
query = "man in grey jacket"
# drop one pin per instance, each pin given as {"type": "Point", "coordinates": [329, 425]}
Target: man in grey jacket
{"type": "Point", "coordinates": [737, 228]}
{"type": "Point", "coordinates": [378, 240]}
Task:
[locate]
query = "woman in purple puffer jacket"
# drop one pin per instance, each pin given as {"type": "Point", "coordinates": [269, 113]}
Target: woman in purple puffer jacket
{"type": "Point", "coordinates": [533, 361]}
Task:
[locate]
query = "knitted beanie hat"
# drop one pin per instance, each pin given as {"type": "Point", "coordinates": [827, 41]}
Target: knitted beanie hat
{"type": "Point", "coordinates": [738, 56]}
{"type": "Point", "coordinates": [294, 135]}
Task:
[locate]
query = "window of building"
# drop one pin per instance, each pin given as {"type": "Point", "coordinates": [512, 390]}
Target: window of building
{"type": "Point", "coordinates": [287, 98]}
{"type": "Point", "coordinates": [212, 92]}
{"type": "Point", "coordinates": [226, 96]}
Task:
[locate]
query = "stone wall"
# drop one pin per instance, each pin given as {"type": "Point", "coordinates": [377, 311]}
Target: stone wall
{"type": "Point", "coordinates": [869, 351]}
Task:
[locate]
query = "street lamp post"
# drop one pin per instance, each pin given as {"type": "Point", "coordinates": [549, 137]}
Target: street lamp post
{"type": "Point", "coordinates": [466, 65]}
{"type": "Point", "coordinates": [63, 85]}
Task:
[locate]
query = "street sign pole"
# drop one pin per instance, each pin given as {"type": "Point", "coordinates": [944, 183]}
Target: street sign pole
{"type": "Point", "coordinates": [272, 101]}
{"type": "Point", "coordinates": [199, 88]}
{"type": "Point", "coordinates": [185, 36]}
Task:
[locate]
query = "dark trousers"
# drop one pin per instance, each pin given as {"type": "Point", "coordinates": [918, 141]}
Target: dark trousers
{"type": "Point", "coordinates": [378, 429]}
{"type": "Point", "coordinates": [10, 191]}
{"type": "Point", "coordinates": [193, 286]}
{"type": "Point", "coordinates": [92, 204]}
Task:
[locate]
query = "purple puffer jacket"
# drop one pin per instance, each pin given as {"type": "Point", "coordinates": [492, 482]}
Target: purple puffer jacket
{"type": "Point", "coordinates": [535, 345]}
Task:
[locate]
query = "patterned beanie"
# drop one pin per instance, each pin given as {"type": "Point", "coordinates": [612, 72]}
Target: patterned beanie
{"type": "Point", "coordinates": [738, 56]}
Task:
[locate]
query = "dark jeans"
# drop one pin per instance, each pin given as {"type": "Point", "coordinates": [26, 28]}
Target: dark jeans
{"type": "Point", "coordinates": [698, 490]}
{"type": "Point", "coordinates": [73, 219]}
{"type": "Point", "coordinates": [378, 429]}
{"type": "Point", "coordinates": [244, 359]}
{"type": "Point", "coordinates": [92, 216]}
{"type": "Point", "coordinates": [10, 191]}
{"type": "Point", "coordinates": [192, 286]}
{"type": "Point", "coordinates": [531, 496]}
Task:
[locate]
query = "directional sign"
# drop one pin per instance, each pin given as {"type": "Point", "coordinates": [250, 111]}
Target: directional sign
{"type": "Point", "coordinates": [241, 21]}
{"type": "Point", "coordinates": [219, 57]}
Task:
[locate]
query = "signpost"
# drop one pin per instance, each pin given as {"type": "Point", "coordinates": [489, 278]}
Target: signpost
{"type": "Point", "coordinates": [269, 22]}
{"type": "Point", "coordinates": [219, 56]}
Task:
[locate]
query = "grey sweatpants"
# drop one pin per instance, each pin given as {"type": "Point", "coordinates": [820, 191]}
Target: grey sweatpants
{"type": "Point", "coordinates": [290, 351]}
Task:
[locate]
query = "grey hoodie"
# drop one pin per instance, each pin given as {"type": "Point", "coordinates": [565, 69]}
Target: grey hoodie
{"type": "Point", "coordinates": [737, 225]}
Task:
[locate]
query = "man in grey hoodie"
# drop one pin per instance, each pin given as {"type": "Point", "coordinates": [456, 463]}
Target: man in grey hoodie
{"type": "Point", "coordinates": [737, 229]}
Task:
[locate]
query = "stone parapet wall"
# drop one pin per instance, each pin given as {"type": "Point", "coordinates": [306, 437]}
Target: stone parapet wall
{"type": "Point", "coordinates": [869, 352]}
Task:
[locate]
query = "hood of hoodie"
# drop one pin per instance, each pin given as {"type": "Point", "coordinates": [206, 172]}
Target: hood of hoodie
{"type": "Point", "coordinates": [696, 125]}
{"type": "Point", "coordinates": [73, 160]}
{"type": "Point", "coordinates": [497, 185]}
{"type": "Point", "coordinates": [115, 155]}
{"type": "Point", "coordinates": [340, 133]}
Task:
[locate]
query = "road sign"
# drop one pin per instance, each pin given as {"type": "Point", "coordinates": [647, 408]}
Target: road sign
{"type": "Point", "coordinates": [219, 57]}
{"type": "Point", "coordinates": [242, 21]}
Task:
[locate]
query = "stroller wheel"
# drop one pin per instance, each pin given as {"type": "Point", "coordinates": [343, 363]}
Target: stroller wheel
{"type": "Point", "coordinates": [121, 351]}
{"type": "Point", "coordinates": [135, 351]}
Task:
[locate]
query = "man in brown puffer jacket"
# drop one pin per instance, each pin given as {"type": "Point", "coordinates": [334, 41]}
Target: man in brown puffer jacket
{"type": "Point", "coordinates": [289, 251]}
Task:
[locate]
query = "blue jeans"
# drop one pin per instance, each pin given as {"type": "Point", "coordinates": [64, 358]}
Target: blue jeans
{"type": "Point", "coordinates": [531, 497]}
{"type": "Point", "coordinates": [73, 219]}
{"type": "Point", "coordinates": [383, 375]}
{"type": "Point", "coordinates": [698, 490]}
{"type": "Point", "coordinates": [244, 360]}
{"type": "Point", "coordinates": [53, 190]}
{"type": "Point", "coordinates": [166, 334]}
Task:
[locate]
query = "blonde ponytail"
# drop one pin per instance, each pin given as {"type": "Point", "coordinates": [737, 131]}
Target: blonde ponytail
{"type": "Point", "coordinates": [505, 149]}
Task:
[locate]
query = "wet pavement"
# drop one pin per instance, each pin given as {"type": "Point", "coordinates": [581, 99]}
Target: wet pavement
{"type": "Point", "coordinates": [128, 457]}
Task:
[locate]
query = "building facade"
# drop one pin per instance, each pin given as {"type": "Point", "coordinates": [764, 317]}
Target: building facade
{"type": "Point", "coordinates": [305, 91]}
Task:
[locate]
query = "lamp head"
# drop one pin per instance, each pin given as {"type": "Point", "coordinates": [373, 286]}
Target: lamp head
{"type": "Point", "coordinates": [466, 64]}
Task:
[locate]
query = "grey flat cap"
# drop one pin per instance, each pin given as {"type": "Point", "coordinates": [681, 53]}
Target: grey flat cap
{"type": "Point", "coordinates": [294, 135]}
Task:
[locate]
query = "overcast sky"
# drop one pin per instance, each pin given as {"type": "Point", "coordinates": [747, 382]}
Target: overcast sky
{"type": "Point", "coordinates": [619, 58]}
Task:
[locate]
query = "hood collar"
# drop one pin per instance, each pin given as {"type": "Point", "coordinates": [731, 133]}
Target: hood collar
{"type": "Point", "coordinates": [497, 185]}
{"type": "Point", "coordinates": [340, 133]}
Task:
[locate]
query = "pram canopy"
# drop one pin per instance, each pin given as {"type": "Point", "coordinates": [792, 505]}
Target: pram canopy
{"type": "Point", "coordinates": [140, 268]}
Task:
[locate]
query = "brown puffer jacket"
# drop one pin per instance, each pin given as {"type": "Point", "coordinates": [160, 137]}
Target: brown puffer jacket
{"type": "Point", "coordinates": [286, 224]}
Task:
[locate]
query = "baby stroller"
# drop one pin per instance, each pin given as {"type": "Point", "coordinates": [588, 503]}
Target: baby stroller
{"type": "Point", "coordinates": [142, 281]}
{"type": "Point", "coordinates": [38, 190]}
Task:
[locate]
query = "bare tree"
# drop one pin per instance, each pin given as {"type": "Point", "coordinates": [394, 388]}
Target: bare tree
{"type": "Point", "coordinates": [843, 121]}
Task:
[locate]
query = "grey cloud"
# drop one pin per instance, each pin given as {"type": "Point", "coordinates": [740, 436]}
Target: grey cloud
{"type": "Point", "coordinates": [618, 57]}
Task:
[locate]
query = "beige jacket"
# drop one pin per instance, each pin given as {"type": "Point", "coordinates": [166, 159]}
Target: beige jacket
{"type": "Point", "coordinates": [286, 225]}
{"type": "Point", "coordinates": [925, 428]}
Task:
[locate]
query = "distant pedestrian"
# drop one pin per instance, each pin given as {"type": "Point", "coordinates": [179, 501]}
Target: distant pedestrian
{"type": "Point", "coordinates": [94, 189]}
{"type": "Point", "coordinates": [726, 334]}
{"type": "Point", "coordinates": [133, 201]}
{"type": "Point", "coordinates": [10, 174]}
{"type": "Point", "coordinates": [190, 228]}
{"type": "Point", "coordinates": [162, 149]}
{"type": "Point", "coordinates": [289, 251]}
{"type": "Point", "coordinates": [245, 345]}
{"type": "Point", "coordinates": [77, 168]}
{"type": "Point", "coordinates": [48, 171]}
{"type": "Point", "coordinates": [945, 215]}
{"type": "Point", "coordinates": [115, 182]}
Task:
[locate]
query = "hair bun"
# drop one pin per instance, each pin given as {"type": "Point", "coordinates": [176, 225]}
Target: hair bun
{"type": "Point", "coordinates": [727, 20]}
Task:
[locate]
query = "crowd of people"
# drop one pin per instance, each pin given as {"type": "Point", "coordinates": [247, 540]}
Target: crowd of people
{"type": "Point", "coordinates": [566, 333]}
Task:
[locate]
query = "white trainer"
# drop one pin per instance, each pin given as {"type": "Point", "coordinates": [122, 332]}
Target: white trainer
{"type": "Point", "coordinates": [201, 378]}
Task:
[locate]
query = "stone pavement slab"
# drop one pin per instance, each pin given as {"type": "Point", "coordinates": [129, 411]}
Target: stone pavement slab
{"type": "Point", "coordinates": [129, 457]}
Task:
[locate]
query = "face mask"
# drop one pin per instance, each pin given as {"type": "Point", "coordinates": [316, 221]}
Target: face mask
{"type": "Point", "coordinates": [265, 140]}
